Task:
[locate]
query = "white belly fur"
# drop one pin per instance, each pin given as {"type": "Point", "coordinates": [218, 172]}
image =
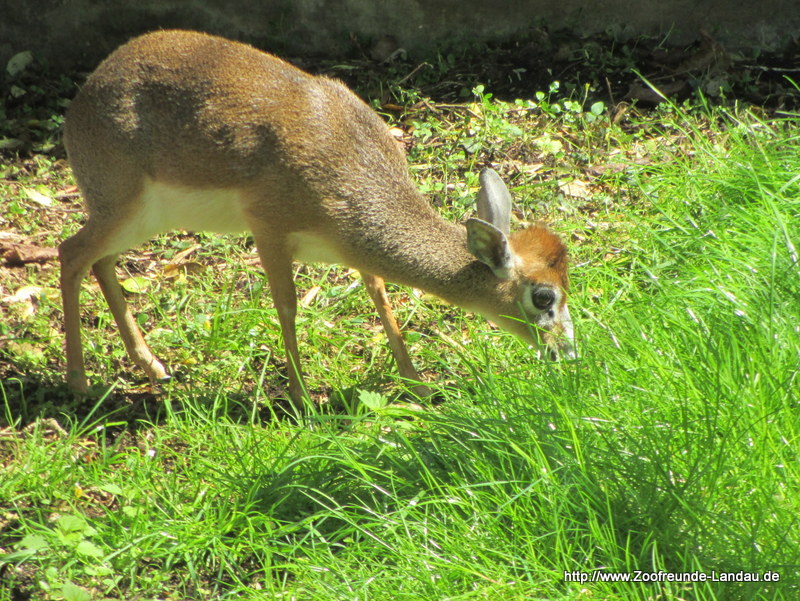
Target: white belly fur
{"type": "Point", "coordinates": [165, 207]}
{"type": "Point", "coordinates": [168, 207]}
{"type": "Point", "coordinates": [312, 248]}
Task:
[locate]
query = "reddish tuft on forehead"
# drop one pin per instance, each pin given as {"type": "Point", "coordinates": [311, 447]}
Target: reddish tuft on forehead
{"type": "Point", "coordinates": [543, 254]}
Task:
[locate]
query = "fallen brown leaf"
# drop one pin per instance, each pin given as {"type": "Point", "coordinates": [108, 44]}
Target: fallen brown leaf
{"type": "Point", "coordinates": [17, 255]}
{"type": "Point", "coordinates": [643, 93]}
{"type": "Point", "coordinates": [575, 188]}
{"type": "Point", "coordinates": [309, 296]}
{"type": "Point", "coordinates": [23, 302]}
{"type": "Point", "coordinates": [175, 270]}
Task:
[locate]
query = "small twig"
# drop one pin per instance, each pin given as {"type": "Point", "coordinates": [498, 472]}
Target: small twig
{"type": "Point", "coordinates": [610, 92]}
{"type": "Point", "coordinates": [412, 73]}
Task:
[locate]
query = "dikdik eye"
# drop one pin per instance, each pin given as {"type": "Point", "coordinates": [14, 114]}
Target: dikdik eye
{"type": "Point", "coordinates": [543, 297]}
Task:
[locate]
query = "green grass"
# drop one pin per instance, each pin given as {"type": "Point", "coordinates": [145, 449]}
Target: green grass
{"type": "Point", "coordinates": [670, 446]}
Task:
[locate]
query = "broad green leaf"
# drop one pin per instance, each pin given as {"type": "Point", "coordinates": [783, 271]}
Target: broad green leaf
{"type": "Point", "coordinates": [135, 285]}
{"type": "Point", "coordinates": [71, 523]}
{"type": "Point", "coordinates": [33, 542]}
{"type": "Point", "coordinates": [89, 549]}
{"type": "Point", "coordinates": [597, 108]}
{"type": "Point", "coordinates": [372, 400]}
{"type": "Point", "coordinates": [19, 62]}
{"type": "Point", "coordinates": [72, 592]}
{"type": "Point", "coordinates": [111, 489]}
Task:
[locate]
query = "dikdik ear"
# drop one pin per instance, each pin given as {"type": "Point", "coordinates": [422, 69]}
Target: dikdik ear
{"type": "Point", "coordinates": [490, 246]}
{"type": "Point", "coordinates": [494, 201]}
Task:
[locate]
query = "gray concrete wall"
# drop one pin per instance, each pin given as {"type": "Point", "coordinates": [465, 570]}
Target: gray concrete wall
{"type": "Point", "coordinates": [78, 33]}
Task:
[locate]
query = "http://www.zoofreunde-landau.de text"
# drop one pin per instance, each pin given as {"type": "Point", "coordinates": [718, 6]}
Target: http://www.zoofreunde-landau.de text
{"type": "Point", "coordinates": [664, 576]}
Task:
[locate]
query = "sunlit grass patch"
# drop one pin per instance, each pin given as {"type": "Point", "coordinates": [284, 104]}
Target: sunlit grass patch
{"type": "Point", "coordinates": [668, 446]}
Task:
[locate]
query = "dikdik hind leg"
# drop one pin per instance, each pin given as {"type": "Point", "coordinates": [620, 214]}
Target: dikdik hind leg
{"type": "Point", "coordinates": [129, 330]}
{"type": "Point", "coordinates": [90, 248]}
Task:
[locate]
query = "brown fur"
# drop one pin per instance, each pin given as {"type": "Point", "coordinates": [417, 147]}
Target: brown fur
{"type": "Point", "coordinates": [300, 154]}
{"type": "Point", "coordinates": [543, 254]}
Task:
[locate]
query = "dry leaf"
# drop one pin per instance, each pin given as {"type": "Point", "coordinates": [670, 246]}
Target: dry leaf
{"type": "Point", "coordinates": [309, 296]}
{"type": "Point", "coordinates": [24, 294]}
{"type": "Point", "coordinates": [68, 192]}
{"type": "Point", "coordinates": [575, 188]}
{"type": "Point", "coordinates": [39, 198]}
{"type": "Point", "coordinates": [527, 168]}
{"type": "Point", "coordinates": [172, 271]}
{"type": "Point", "coordinates": [24, 302]}
{"type": "Point", "coordinates": [20, 254]}
{"type": "Point", "coordinates": [661, 93]}
{"type": "Point", "coordinates": [179, 257]}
